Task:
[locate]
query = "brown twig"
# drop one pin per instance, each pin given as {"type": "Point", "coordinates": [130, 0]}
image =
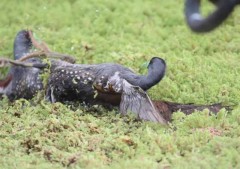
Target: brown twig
{"type": "Point", "coordinates": [43, 54]}
{"type": "Point", "coordinates": [38, 45]}
{"type": "Point", "coordinates": [45, 51]}
{"type": "Point", "coordinates": [5, 62]}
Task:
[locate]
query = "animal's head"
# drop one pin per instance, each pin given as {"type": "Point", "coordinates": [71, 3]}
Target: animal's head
{"type": "Point", "coordinates": [156, 71]}
{"type": "Point", "coordinates": [156, 61]}
{"type": "Point", "coordinates": [157, 66]}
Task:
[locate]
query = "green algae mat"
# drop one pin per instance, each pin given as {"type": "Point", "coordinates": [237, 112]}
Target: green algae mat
{"type": "Point", "coordinates": [201, 69]}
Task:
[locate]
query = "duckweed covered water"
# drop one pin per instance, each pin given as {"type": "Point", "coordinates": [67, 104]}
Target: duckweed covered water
{"type": "Point", "coordinates": [202, 69]}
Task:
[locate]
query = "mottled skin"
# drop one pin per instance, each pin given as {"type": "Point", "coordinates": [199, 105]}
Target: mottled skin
{"type": "Point", "coordinates": [106, 83]}
{"type": "Point", "coordinates": [69, 82]}
{"type": "Point", "coordinates": [81, 82]}
{"type": "Point", "coordinates": [111, 84]}
{"type": "Point", "coordinates": [24, 85]}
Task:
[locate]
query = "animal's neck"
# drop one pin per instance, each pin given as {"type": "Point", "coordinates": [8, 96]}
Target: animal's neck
{"type": "Point", "coordinates": [151, 79]}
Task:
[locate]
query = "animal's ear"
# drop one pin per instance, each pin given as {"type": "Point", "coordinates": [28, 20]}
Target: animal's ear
{"type": "Point", "coordinates": [135, 100]}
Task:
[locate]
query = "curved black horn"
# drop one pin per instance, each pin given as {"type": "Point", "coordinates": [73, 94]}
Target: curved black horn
{"type": "Point", "coordinates": [199, 24]}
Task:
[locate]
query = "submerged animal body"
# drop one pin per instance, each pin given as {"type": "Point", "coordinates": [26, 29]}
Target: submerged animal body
{"type": "Point", "coordinates": [106, 83]}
